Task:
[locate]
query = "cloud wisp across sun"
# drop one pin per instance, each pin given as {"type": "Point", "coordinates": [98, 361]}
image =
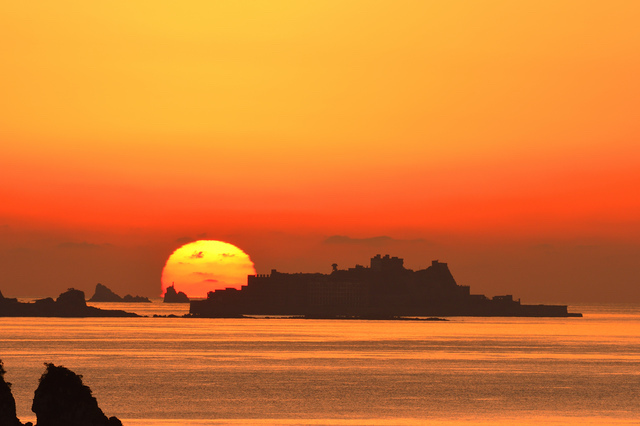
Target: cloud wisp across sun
{"type": "Point", "coordinates": [206, 265]}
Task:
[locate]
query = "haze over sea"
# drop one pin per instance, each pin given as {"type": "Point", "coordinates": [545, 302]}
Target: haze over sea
{"type": "Point", "coordinates": [176, 371]}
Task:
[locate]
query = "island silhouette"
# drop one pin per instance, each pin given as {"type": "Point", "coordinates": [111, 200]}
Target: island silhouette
{"type": "Point", "coordinates": [70, 303]}
{"type": "Point", "coordinates": [383, 290]}
{"type": "Point", "coordinates": [105, 294]}
{"type": "Point", "coordinates": [61, 399]}
{"type": "Point", "coordinates": [171, 296]}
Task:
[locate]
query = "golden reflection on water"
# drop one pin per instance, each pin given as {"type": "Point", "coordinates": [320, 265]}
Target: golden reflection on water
{"type": "Point", "coordinates": [293, 371]}
{"type": "Point", "coordinates": [392, 422]}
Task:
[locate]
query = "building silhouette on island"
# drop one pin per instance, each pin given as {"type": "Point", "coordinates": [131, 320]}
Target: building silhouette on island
{"type": "Point", "coordinates": [385, 289]}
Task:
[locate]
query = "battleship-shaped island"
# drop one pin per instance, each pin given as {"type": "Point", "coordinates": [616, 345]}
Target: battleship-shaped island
{"type": "Point", "coordinates": [384, 290]}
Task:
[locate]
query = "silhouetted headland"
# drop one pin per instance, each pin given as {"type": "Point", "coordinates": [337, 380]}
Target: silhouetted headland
{"type": "Point", "coordinates": [61, 399]}
{"type": "Point", "coordinates": [105, 294]}
{"type": "Point", "coordinates": [171, 296]}
{"type": "Point", "coordinates": [384, 290]}
{"type": "Point", "coordinates": [7, 402]}
{"type": "Point", "coordinates": [71, 303]}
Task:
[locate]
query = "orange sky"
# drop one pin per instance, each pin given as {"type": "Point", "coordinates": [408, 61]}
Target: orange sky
{"type": "Point", "coordinates": [484, 127]}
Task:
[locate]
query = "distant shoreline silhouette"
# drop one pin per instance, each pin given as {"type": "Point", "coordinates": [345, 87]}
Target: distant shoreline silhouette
{"type": "Point", "coordinates": [70, 303]}
{"type": "Point", "coordinates": [383, 290]}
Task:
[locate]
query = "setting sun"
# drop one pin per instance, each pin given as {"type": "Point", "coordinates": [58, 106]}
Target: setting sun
{"type": "Point", "coordinates": [314, 167]}
{"type": "Point", "coordinates": [206, 265]}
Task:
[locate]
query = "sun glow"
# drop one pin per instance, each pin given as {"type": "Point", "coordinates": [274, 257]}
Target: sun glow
{"type": "Point", "coordinates": [206, 265]}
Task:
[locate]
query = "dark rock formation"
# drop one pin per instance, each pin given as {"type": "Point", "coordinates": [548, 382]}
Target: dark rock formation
{"type": "Point", "coordinates": [135, 299]}
{"type": "Point", "coordinates": [71, 303]}
{"type": "Point", "coordinates": [7, 299]}
{"type": "Point", "coordinates": [63, 400]}
{"type": "Point", "coordinates": [71, 300]}
{"type": "Point", "coordinates": [7, 402]}
{"type": "Point", "coordinates": [104, 294]}
{"type": "Point", "coordinates": [171, 296]}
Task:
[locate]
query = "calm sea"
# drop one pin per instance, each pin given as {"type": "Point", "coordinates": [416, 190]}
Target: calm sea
{"type": "Point", "coordinates": [175, 371]}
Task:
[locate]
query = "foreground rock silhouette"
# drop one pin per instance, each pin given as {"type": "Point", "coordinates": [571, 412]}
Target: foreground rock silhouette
{"type": "Point", "coordinates": [7, 402]}
{"type": "Point", "coordinates": [71, 303]}
{"type": "Point", "coordinates": [60, 400]}
{"type": "Point", "coordinates": [63, 400]}
{"type": "Point", "coordinates": [105, 294]}
{"type": "Point", "coordinates": [171, 296]}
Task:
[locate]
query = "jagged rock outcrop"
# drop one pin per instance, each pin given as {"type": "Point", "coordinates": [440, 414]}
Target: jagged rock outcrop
{"type": "Point", "coordinates": [7, 402]}
{"type": "Point", "coordinates": [105, 294]}
{"type": "Point", "coordinates": [171, 296]}
{"type": "Point", "coordinates": [63, 400]}
{"type": "Point", "coordinates": [71, 303]}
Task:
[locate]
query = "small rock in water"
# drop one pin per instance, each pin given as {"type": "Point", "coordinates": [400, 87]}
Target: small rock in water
{"type": "Point", "coordinates": [171, 296]}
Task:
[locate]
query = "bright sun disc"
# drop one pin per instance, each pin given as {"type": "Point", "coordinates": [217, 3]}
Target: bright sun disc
{"type": "Point", "coordinates": [206, 265]}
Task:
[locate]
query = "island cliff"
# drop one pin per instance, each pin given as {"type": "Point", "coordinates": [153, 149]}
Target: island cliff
{"type": "Point", "coordinates": [171, 296]}
{"type": "Point", "coordinates": [385, 289]}
{"type": "Point", "coordinates": [104, 294]}
{"type": "Point", "coordinates": [71, 303]}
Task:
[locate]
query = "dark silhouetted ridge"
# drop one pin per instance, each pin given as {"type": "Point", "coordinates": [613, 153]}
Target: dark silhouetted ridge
{"type": "Point", "coordinates": [71, 303]}
{"type": "Point", "coordinates": [383, 290]}
{"type": "Point", "coordinates": [105, 294]}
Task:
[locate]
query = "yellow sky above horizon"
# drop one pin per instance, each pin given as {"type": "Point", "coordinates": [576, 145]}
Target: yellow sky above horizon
{"type": "Point", "coordinates": [499, 136]}
{"type": "Point", "coordinates": [335, 114]}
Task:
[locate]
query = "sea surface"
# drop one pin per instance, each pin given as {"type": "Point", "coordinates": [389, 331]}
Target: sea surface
{"type": "Point", "coordinates": [197, 372]}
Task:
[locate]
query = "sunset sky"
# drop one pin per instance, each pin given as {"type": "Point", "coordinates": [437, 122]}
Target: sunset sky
{"type": "Point", "coordinates": [501, 137]}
